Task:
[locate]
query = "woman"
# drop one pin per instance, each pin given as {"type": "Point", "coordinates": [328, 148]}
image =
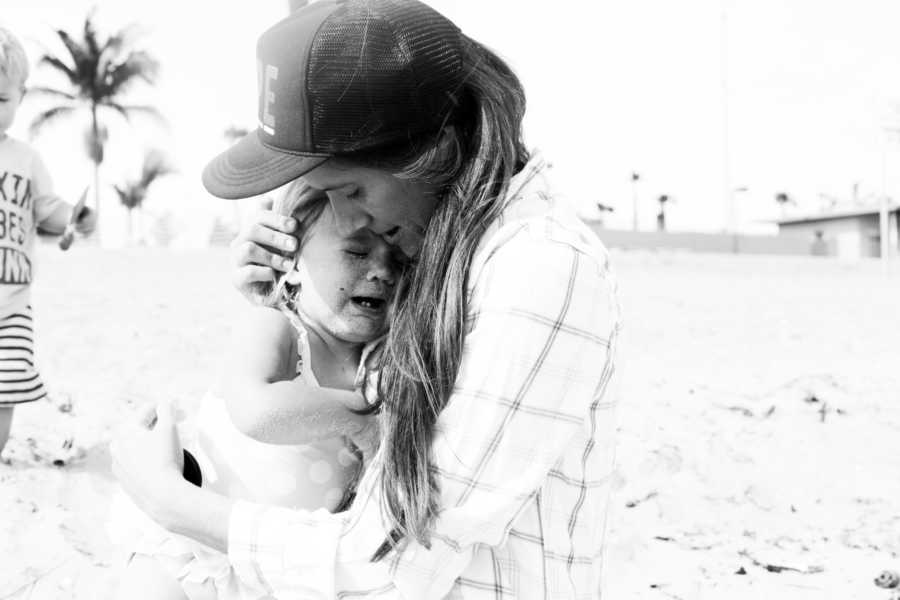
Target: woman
{"type": "Point", "coordinates": [495, 388]}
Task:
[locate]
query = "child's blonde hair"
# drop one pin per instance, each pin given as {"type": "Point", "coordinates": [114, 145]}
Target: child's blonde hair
{"type": "Point", "coordinates": [13, 60]}
{"type": "Point", "coordinates": [305, 204]}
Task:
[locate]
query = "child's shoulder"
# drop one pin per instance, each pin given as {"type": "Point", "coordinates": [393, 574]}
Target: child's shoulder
{"type": "Point", "coordinates": [265, 322]}
{"type": "Point", "coordinates": [17, 146]}
{"type": "Point", "coordinates": [265, 317]}
{"type": "Point", "coordinates": [16, 153]}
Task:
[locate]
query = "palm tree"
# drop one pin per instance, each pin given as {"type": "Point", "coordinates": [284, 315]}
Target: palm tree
{"type": "Point", "coordinates": [98, 73]}
{"type": "Point", "coordinates": [133, 193]}
{"type": "Point", "coordinates": [602, 209]}
{"type": "Point", "coordinates": [661, 216]}
{"type": "Point", "coordinates": [783, 199]}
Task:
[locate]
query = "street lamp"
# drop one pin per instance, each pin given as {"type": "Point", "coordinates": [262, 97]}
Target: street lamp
{"type": "Point", "coordinates": [735, 229]}
{"type": "Point", "coordinates": [635, 177]}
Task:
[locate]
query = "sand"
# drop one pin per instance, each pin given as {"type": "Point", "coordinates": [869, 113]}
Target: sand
{"type": "Point", "coordinates": [759, 448]}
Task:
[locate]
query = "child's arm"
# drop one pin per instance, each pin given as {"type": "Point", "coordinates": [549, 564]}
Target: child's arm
{"type": "Point", "coordinates": [56, 218]}
{"type": "Point", "coordinates": [265, 398]}
{"type": "Point", "coordinates": [52, 213]}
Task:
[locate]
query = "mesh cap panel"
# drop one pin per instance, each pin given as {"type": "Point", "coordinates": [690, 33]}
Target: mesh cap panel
{"type": "Point", "coordinates": [379, 72]}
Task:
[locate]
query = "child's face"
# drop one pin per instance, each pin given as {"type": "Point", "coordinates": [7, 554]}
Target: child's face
{"type": "Point", "coordinates": [10, 98]}
{"type": "Point", "coordinates": [346, 280]}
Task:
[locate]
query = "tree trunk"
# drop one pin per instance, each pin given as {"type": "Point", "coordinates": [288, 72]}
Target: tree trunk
{"type": "Point", "coordinates": [96, 158]}
{"type": "Point", "coordinates": [130, 231]}
{"type": "Point", "coordinates": [634, 204]}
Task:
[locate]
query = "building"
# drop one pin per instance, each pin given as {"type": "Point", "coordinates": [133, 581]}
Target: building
{"type": "Point", "coordinates": [852, 232]}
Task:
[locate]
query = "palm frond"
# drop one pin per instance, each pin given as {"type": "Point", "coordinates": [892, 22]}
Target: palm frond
{"type": "Point", "coordinates": [123, 112]}
{"type": "Point", "coordinates": [48, 116]}
{"type": "Point", "coordinates": [156, 165]}
{"type": "Point", "coordinates": [40, 90]}
{"type": "Point", "coordinates": [127, 111]}
{"type": "Point", "coordinates": [130, 195]}
{"type": "Point", "coordinates": [85, 68]}
{"type": "Point", "coordinates": [122, 193]}
{"type": "Point", "coordinates": [118, 41]}
{"type": "Point", "coordinates": [90, 36]}
{"type": "Point", "coordinates": [60, 66]}
{"type": "Point", "coordinates": [117, 77]}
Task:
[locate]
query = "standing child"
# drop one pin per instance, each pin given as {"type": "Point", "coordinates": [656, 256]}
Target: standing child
{"type": "Point", "coordinates": [26, 204]}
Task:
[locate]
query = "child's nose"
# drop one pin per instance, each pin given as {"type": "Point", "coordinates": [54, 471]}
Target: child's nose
{"type": "Point", "coordinates": [383, 272]}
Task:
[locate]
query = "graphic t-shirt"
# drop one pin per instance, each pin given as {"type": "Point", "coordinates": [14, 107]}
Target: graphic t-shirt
{"type": "Point", "coordinates": [26, 199]}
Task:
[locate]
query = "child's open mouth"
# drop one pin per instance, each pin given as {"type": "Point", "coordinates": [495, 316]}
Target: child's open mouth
{"type": "Point", "coordinates": [369, 303]}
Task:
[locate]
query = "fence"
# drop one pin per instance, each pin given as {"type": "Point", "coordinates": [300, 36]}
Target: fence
{"type": "Point", "coordinates": [705, 242]}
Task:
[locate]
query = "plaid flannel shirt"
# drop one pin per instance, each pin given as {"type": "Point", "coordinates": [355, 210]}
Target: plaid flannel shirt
{"type": "Point", "coordinates": [524, 448]}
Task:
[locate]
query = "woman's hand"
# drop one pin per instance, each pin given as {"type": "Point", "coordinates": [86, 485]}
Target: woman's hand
{"type": "Point", "coordinates": [147, 459]}
{"type": "Point", "coordinates": [259, 248]}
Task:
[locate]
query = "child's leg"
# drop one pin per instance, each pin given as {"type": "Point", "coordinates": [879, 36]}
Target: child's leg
{"type": "Point", "coordinates": [145, 579]}
{"type": "Point", "coordinates": [6, 415]}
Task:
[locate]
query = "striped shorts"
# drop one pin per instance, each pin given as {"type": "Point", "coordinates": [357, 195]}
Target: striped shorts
{"type": "Point", "coordinates": [19, 381]}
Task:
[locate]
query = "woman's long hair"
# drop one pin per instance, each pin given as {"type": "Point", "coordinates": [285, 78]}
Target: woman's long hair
{"type": "Point", "coordinates": [471, 163]}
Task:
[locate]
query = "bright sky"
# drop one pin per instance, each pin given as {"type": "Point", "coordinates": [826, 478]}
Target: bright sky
{"type": "Point", "coordinates": [612, 87]}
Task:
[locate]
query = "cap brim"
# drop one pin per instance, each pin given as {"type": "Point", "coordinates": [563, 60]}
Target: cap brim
{"type": "Point", "coordinates": [250, 168]}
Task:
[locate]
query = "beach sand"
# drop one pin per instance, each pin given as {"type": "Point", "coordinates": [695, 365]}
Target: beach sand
{"type": "Point", "coordinates": [759, 419]}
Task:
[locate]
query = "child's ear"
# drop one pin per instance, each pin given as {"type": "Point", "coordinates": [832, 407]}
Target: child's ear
{"type": "Point", "coordinates": [294, 276]}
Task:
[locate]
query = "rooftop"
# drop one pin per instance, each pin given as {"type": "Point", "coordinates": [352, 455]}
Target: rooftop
{"type": "Point", "coordinates": [847, 213]}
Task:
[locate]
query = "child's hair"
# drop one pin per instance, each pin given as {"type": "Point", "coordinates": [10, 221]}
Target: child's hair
{"type": "Point", "coordinates": [13, 60]}
{"type": "Point", "coordinates": [471, 163]}
{"type": "Point", "coordinates": [306, 205]}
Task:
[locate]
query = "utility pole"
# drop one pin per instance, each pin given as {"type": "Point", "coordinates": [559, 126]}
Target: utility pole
{"type": "Point", "coordinates": [726, 142]}
{"type": "Point", "coordinates": [635, 177]}
{"type": "Point", "coordinates": [735, 233]}
{"type": "Point", "coordinates": [884, 220]}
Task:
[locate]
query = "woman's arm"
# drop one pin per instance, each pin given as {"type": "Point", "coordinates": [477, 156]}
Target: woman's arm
{"type": "Point", "coordinates": [534, 383]}
{"type": "Point", "coordinates": [265, 398]}
{"type": "Point", "coordinates": [146, 461]}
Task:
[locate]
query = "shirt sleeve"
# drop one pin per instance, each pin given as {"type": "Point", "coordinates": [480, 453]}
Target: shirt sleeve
{"type": "Point", "coordinates": [537, 355]}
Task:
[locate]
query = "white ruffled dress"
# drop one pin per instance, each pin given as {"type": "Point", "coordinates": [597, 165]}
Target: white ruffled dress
{"type": "Point", "coordinates": [308, 476]}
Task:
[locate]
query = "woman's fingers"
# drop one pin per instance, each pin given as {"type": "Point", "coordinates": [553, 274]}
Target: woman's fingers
{"type": "Point", "coordinates": [247, 279]}
{"type": "Point", "coordinates": [267, 235]}
{"type": "Point", "coordinates": [274, 220]}
{"type": "Point", "coordinates": [261, 250]}
{"type": "Point", "coordinates": [250, 253]}
{"type": "Point", "coordinates": [270, 229]}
